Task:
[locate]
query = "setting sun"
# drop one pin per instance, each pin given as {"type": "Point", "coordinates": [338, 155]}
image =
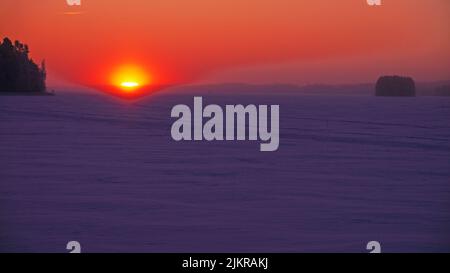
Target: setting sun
{"type": "Point", "coordinates": [129, 85]}
{"type": "Point", "coordinates": [131, 80]}
{"type": "Point", "coordinates": [130, 77]}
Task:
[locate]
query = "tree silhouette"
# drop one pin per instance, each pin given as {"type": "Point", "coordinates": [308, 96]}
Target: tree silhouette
{"type": "Point", "coordinates": [18, 72]}
{"type": "Point", "coordinates": [395, 86]}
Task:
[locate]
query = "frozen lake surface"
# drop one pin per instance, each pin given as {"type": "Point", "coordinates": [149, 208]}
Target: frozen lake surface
{"type": "Point", "coordinates": [106, 173]}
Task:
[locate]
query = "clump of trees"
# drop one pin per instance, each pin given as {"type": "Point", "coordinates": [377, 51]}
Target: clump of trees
{"type": "Point", "coordinates": [18, 72]}
{"type": "Point", "coordinates": [395, 86]}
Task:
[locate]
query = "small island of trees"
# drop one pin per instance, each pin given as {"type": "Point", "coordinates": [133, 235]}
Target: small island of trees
{"type": "Point", "coordinates": [18, 72]}
{"type": "Point", "coordinates": [395, 86]}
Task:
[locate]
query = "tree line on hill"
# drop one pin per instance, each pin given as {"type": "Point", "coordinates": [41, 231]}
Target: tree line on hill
{"type": "Point", "coordinates": [18, 72]}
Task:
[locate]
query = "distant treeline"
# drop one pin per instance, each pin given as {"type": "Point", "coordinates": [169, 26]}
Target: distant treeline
{"type": "Point", "coordinates": [395, 86]}
{"type": "Point", "coordinates": [18, 72]}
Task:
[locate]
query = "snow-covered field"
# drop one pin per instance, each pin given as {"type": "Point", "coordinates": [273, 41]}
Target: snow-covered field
{"type": "Point", "coordinates": [106, 173]}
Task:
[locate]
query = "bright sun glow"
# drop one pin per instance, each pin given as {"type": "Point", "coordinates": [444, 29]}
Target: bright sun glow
{"type": "Point", "coordinates": [129, 84]}
{"type": "Point", "coordinates": [130, 77]}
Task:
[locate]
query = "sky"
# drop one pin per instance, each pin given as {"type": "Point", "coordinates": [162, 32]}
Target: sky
{"type": "Point", "coordinates": [254, 41]}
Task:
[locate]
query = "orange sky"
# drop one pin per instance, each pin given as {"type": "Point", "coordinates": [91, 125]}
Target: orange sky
{"type": "Point", "coordinates": [176, 41]}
